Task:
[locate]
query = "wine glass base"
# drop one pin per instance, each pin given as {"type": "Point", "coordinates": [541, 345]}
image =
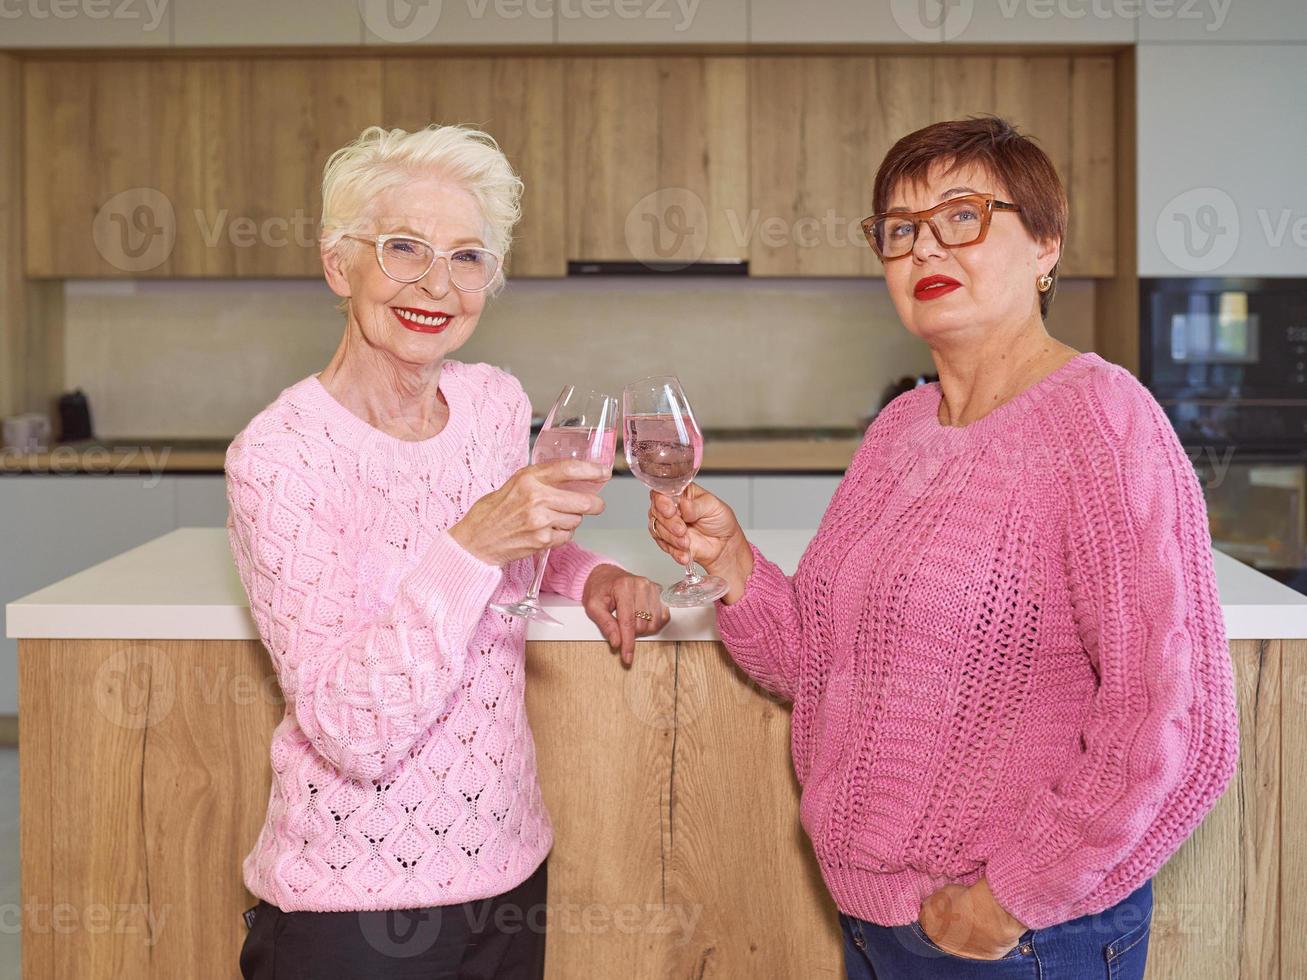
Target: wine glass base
{"type": "Point", "coordinates": [705, 591]}
{"type": "Point", "coordinates": [525, 610]}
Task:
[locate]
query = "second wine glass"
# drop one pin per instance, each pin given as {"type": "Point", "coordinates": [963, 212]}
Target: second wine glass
{"type": "Point", "coordinates": [664, 449]}
{"type": "Point", "coordinates": [581, 425]}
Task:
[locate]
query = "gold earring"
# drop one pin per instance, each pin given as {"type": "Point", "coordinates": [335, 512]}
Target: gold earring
{"type": "Point", "coordinates": [1044, 283]}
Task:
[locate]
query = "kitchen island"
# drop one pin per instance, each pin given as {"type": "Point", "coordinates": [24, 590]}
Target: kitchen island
{"type": "Point", "coordinates": [146, 705]}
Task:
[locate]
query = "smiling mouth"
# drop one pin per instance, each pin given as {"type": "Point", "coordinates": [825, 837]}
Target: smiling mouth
{"type": "Point", "coordinates": [421, 320]}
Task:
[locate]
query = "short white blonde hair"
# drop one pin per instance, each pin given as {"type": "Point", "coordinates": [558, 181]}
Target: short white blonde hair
{"type": "Point", "coordinates": [382, 158]}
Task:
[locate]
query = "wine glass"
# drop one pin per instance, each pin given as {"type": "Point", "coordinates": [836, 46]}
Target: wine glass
{"type": "Point", "coordinates": [664, 449]}
{"type": "Point", "coordinates": [581, 425]}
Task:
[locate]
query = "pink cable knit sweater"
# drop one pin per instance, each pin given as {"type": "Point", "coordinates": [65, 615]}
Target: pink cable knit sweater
{"type": "Point", "coordinates": [403, 773]}
{"type": "Point", "coordinates": [1005, 652]}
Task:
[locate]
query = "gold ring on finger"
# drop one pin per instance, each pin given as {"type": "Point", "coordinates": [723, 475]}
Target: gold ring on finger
{"type": "Point", "coordinates": [646, 616]}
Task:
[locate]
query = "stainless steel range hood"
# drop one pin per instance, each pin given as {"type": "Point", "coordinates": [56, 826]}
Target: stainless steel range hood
{"type": "Point", "coordinates": [703, 267]}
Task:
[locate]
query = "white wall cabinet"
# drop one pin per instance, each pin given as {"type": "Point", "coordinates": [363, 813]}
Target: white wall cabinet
{"type": "Point", "coordinates": [1222, 140]}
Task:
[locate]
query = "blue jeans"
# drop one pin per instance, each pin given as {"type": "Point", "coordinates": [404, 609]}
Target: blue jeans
{"type": "Point", "coordinates": [1109, 945]}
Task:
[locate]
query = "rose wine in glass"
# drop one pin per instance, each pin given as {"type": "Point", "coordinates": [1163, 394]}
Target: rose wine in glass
{"type": "Point", "coordinates": [581, 425]}
{"type": "Point", "coordinates": [664, 449]}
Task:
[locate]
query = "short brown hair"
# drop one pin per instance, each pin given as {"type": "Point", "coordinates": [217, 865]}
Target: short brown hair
{"type": "Point", "coordinates": [994, 145]}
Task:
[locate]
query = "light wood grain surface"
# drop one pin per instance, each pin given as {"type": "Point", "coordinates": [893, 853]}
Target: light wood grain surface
{"type": "Point", "coordinates": [678, 852]}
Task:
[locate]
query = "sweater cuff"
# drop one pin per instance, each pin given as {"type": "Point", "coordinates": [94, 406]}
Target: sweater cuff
{"type": "Point", "coordinates": [569, 567]}
{"type": "Point", "coordinates": [451, 583]}
{"type": "Point", "coordinates": [1036, 903]}
{"type": "Point", "coordinates": [750, 615]}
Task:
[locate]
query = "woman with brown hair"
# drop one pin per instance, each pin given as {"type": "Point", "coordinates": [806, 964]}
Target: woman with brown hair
{"type": "Point", "coordinates": [1013, 698]}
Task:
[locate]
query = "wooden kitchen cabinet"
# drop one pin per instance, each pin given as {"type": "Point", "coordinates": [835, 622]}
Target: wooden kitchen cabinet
{"type": "Point", "coordinates": [820, 126]}
{"type": "Point", "coordinates": [185, 167]}
{"type": "Point", "coordinates": [270, 126]}
{"type": "Point", "coordinates": [518, 101]}
{"type": "Point", "coordinates": [657, 158]}
{"type": "Point", "coordinates": [174, 167]}
{"type": "Point", "coordinates": [113, 163]}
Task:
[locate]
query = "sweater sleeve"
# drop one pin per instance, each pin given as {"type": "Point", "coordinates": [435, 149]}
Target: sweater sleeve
{"type": "Point", "coordinates": [364, 685]}
{"type": "Point", "coordinates": [1160, 740]}
{"type": "Point", "coordinates": [763, 629]}
{"type": "Point", "coordinates": [569, 565]}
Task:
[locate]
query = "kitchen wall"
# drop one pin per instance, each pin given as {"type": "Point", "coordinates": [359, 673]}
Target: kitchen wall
{"type": "Point", "coordinates": [197, 359]}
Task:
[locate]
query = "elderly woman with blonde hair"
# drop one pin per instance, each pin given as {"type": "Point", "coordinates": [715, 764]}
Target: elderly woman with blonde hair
{"type": "Point", "coordinates": [376, 509]}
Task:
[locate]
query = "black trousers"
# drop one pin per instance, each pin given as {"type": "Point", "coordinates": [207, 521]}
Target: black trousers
{"type": "Point", "coordinates": [502, 937]}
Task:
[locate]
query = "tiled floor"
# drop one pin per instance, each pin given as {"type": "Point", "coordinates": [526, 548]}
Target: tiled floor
{"type": "Point", "coordinates": [10, 903]}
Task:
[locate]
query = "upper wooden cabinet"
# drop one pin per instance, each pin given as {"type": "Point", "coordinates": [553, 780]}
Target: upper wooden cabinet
{"type": "Point", "coordinates": [820, 126]}
{"type": "Point", "coordinates": [657, 158]}
{"type": "Point", "coordinates": [518, 101]}
{"type": "Point", "coordinates": [213, 166]}
{"type": "Point", "coordinates": [270, 125]}
{"type": "Point", "coordinates": [113, 158]}
{"type": "Point", "coordinates": [185, 167]}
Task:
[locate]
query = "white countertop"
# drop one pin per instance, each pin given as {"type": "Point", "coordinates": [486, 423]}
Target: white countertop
{"type": "Point", "coordinates": [183, 585]}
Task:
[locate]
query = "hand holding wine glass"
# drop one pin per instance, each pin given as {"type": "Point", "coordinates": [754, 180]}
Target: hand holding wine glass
{"type": "Point", "coordinates": [700, 524]}
{"type": "Point", "coordinates": [533, 510]}
{"type": "Point", "coordinates": [581, 426]}
{"type": "Point", "coordinates": [664, 448]}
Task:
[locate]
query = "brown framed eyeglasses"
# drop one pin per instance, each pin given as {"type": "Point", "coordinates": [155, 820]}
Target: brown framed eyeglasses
{"type": "Point", "coordinates": [958, 222]}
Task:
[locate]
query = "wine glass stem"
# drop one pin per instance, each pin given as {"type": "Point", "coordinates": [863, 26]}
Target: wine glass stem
{"type": "Point", "coordinates": [533, 597]}
{"type": "Point", "coordinates": [690, 577]}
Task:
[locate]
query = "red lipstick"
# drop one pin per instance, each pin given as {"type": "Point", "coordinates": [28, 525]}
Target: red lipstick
{"type": "Point", "coordinates": [422, 321]}
{"type": "Point", "coordinates": [932, 287]}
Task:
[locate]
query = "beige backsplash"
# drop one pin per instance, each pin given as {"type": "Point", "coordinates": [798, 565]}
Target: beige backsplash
{"type": "Point", "coordinates": [197, 359]}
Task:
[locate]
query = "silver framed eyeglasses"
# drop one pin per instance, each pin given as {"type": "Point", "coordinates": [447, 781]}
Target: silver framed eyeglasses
{"type": "Point", "coordinates": [407, 258]}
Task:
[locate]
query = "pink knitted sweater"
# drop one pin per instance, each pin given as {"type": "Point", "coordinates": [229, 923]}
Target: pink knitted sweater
{"type": "Point", "coordinates": [403, 772]}
{"type": "Point", "coordinates": [1005, 652]}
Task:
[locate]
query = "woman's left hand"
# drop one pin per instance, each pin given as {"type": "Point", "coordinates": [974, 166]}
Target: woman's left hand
{"type": "Point", "coordinates": [968, 922]}
{"type": "Point", "coordinates": [612, 597]}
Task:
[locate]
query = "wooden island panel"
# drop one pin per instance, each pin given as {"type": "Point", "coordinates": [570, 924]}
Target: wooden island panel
{"type": "Point", "coordinates": [678, 852]}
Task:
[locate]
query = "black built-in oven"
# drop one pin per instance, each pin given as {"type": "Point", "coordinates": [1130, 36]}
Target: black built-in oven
{"type": "Point", "coordinates": [1227, 360]}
